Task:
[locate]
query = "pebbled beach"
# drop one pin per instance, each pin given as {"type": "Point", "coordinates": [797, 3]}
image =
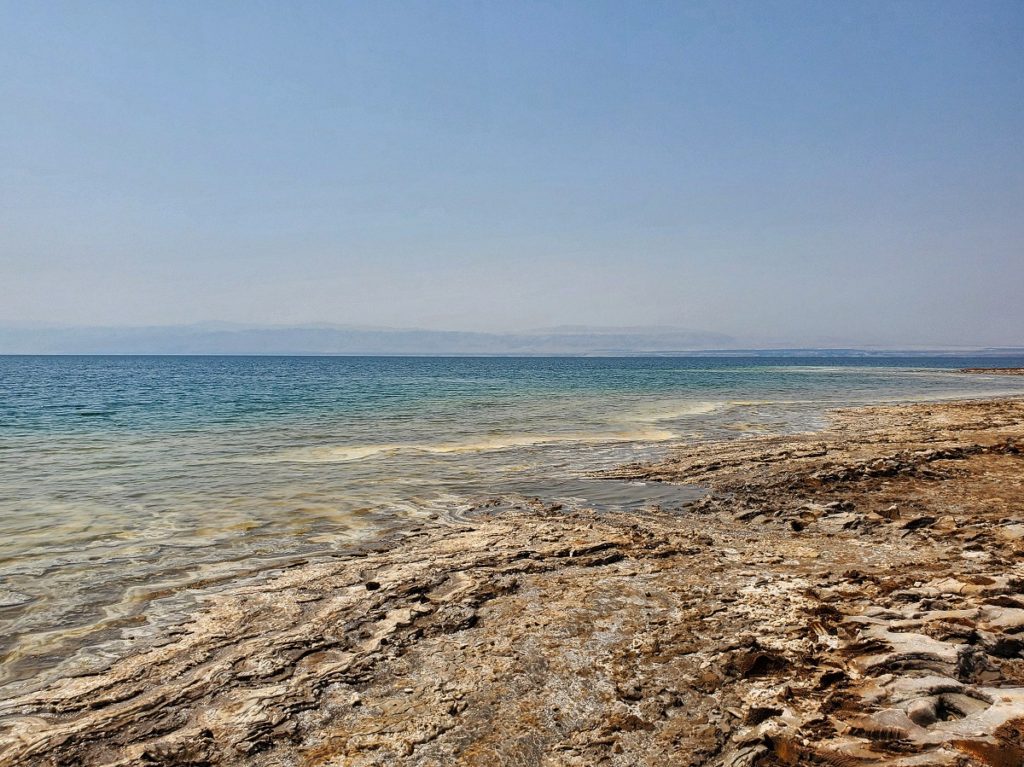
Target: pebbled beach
{"type": "Point", "coordinates": [853, 596]}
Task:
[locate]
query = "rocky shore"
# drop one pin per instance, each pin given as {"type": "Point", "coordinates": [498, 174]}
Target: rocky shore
{"type": "Point", "coordinates": [995, 371]}
{"type": "Point", "coordinates": [849, 597]}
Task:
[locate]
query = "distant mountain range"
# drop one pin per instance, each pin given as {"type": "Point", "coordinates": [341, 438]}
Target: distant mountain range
{"type": "Point", "coordinates": [225, 338]}
{"type": "Point", "coordinates": [334, 339]}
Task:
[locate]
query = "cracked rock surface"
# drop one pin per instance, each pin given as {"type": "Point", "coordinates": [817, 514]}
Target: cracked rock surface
{"type": "Point", "coordinates": [849, 597]}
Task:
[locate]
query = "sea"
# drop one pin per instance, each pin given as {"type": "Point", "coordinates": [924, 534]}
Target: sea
{"type": "Point", "coordinates": [133, 487]}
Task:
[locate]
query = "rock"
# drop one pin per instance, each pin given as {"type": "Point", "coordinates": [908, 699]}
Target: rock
{"type": "Point", "coordinates": [890, 512]}
{"type": "Point", "coordinates": [757, 663]}
{"type": "Point", "coordinates": [13, 598]}
{"type": "Point", "coordinates": [758, 714]}
{"type": "Point", "coordinates": [923, 711]}
{"type": "Point", "coordinates": [1012, 532]}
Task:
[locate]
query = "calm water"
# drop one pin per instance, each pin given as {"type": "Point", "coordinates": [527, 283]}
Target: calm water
{"type": "Point", "coordinates": [129, 483]}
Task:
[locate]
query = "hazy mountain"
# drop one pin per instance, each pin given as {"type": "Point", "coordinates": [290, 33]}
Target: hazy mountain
{"type": "Point", "coordinates": [230, 338]}
{"type": "Point", "coordinates": [224, 338]}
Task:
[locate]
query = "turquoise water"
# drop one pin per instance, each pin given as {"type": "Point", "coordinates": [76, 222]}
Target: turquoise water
{"type": "Point", "coordinates": [129, 484]}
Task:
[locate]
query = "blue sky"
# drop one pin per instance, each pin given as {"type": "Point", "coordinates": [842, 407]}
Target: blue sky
{"type": "Point", "coordinates": [813, 171]}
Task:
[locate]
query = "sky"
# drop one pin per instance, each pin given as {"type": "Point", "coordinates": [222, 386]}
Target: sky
{"type": "Point", "coordinates": [817, 172]}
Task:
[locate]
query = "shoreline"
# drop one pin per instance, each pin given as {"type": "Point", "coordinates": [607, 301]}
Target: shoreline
{"type": "Point", "coordinates": [995, 371]}
{"type": "Point", "coordinates": [851, 594]}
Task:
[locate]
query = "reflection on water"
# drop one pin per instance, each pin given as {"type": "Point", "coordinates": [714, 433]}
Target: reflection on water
{"type": "Point", "coordinates": [127, 485]}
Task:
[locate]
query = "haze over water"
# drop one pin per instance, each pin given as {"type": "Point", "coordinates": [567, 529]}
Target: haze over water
{"type": "Point", "coordinates": [130, 484]}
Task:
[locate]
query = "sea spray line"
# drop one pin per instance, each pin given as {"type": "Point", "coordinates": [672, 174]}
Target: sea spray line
{"type": "Point", "coordinates": [341, 454]}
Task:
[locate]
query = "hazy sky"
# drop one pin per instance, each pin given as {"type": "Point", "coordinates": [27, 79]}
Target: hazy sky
{"type": "Point", "coordinates": [849, 170]}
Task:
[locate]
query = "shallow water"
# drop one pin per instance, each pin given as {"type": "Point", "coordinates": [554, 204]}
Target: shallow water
{"type": "Point", "coordinates": [129, 484]}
